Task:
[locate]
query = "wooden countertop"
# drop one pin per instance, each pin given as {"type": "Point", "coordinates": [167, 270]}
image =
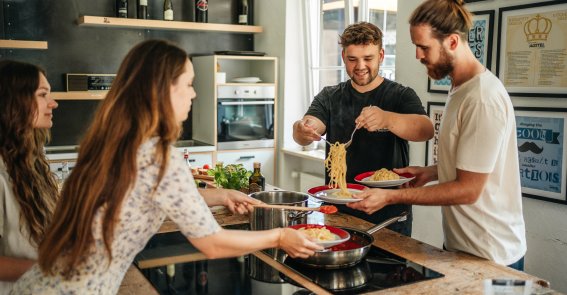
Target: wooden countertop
{"type": "Point", "coordinates": [464, 274]}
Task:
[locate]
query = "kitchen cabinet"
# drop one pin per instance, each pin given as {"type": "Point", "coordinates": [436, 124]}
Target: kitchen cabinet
{"type": "Point", "coordinates": [247, 158]}
{"type": "Point", "coordinates": [197, 160]}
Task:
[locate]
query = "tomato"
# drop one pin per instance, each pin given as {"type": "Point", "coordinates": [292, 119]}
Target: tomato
{"type": "Point", "coordinates": [206, 166]}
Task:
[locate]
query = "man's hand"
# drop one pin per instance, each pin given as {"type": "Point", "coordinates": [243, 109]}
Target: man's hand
{"type": "Point", "coordinates": [423, 175]}
{"type": "Point", "coordinates": [372, 200]}
{"type": "Point", "coordinates": [373, 118]}
{"type": "Point", "coordinates": [307, 130]}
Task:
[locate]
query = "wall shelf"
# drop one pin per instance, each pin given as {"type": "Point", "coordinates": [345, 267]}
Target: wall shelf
{"type": "Point", "coordinates": [22, 44]}
{"type": "Point", "coordinates": [79, 95]}
{"type": "Point", "coordinates": [115, 22]}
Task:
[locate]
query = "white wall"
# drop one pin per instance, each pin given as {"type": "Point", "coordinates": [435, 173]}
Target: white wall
{"type": "Point", "coordinates": [546, 223]}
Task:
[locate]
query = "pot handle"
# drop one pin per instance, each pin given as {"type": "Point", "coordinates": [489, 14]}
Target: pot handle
{"type": "Point", "coordinates": [401, 217]}
{"type": "Point", "coordinates": [294, 215]}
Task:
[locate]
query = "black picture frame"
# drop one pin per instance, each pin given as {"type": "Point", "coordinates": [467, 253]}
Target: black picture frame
{"type": "Point", "coordinates": [526, 35]}
{"type": "Point", "coordinates": [542, 152]}
{"type": "Point", "coordinates": [483, 49]}
{"type": "Point", "coordinates": [435, 112]}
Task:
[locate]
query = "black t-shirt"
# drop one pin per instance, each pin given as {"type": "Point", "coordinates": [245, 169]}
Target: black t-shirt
{"type": "Point", "coordinates": [338, 106]}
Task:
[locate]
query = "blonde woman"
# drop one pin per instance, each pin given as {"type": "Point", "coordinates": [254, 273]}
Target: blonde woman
{"type": "Point", "coordinates": [127, 179]}
{"type": "Point", "coordinates": [28, 190]}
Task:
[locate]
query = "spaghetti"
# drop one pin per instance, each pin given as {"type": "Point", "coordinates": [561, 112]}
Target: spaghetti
{"type": "Point", "coordinates": [335, 163]}
{"type": "Point", "coordinates": [384, 174]}
{"type": "Point", "coordinates": [319, 234]}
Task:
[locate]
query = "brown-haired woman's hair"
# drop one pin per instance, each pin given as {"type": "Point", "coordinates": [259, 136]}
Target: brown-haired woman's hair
{"type": "Point", "coordinates": [362, 33]}
{"type": "Point", "coordinates": [136, 108]}
{"type": "Point", "coordinates": [21, 148]}
{"type": "Point", "coordinates": [445, 17]}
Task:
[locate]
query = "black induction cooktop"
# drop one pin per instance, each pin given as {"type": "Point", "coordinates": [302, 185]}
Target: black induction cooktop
{"type": "Point", "coordinates": [377, 271]}
{"type": "Point", "coordinates": [249, 275]}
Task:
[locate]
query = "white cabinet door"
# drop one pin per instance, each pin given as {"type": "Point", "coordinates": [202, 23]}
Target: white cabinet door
{"type": "Point", "coordinates": [247, 159]}
{"type": "Point", "coordinates": [197, 160]}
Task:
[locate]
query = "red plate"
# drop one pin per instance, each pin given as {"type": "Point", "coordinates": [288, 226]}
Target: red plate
{"type": "Point", "coordinates": [340, 234]}
{"type": "Point", "coordinates": [326, 193]}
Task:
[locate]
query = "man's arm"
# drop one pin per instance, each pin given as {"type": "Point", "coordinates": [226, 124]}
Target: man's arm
{"type": "Point", "coordinates": [465, 189]}
{"type": "Point", "coordinates": [412, 127]}
{"type": "Point", "coordinates": [308, 129]}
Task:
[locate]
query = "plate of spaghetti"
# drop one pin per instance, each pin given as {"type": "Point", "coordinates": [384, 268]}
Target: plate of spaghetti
{"type": "Point", "coordinates": [324, 235]}
{"type": "Point", "coordinates": [333, 195]}
{"type": "Point", "coordinates": [383, 178]}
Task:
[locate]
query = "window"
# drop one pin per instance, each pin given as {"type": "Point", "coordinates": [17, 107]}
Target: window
{"type": "Point", "coordinates": [327, 19]}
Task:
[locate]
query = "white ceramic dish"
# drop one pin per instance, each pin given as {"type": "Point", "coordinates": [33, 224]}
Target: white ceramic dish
{"type": "Point", "coordinates": [365, 178]}
{"type": "Point", "coordinates": [326, 194]}
{"type": "Point", "coordinates": [247, 80]}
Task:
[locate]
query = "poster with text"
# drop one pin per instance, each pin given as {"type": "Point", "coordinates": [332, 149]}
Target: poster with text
{"type": "Point", "coordinates": [532, 49]}
{"type": "Point", "coordinates": [541, 152]}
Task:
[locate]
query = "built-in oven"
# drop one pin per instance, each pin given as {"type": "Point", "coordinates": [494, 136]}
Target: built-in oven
{"type": "Point", "coordinates": [245, 116]}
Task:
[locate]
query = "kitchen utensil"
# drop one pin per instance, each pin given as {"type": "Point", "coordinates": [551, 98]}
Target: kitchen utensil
{"type": "Point", "coordinates": [268, 218]}
{"type": "Point", "coordinates": [350, 252]}
{"type": "Point", "coordinates": [327, 209]}
{"type": "Point", "coordinates": [347, 144]}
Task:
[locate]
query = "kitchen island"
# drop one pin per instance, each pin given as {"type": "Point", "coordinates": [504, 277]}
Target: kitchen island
{"type": "Point", "coordinates": [463, 273]}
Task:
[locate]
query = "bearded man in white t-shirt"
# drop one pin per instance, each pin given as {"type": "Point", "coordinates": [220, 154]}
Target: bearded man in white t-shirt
{"type": "Point", "coordinates": [478, 171]}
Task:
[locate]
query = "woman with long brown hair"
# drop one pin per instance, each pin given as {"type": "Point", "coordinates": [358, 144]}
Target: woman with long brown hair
{"type": "Point", "coordinates": [28, 190]}
{"type": "Point", "coordinates": [127, 179]}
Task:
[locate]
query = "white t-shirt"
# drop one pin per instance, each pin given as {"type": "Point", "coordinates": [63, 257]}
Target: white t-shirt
{"type": "Point", "coordinates": [12, 242]}
{"type": "Point", "coordinates": [141, 216]}
{"type": "Point", "coordinates": [478, 134]}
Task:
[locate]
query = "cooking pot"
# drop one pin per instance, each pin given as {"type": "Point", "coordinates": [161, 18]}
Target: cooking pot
{"type": "Point", "coordinates": [350, 252]}
{"type": "Point", "coordinates": [268, 218]}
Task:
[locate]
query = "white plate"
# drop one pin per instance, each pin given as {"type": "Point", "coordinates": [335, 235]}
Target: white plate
{"type": "Point", "coordinates": [325, 193]}
{"type": "Point", "coordinates": [247, 80]}
{"type": "Point", "coordinates": [365, 178]}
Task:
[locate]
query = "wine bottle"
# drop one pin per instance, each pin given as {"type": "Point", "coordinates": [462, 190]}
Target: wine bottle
{"type": "Point", "coordinates": [167, 10]}
{"type": "Point", "coordinates": [142, 11]}
{"type": "Point", "coordinates": [201, 11]}
{"type": "Point", "coordinates": [256, 182]}
{"type": "Point", "coordinates": [122, 8]}
{"type": "Point", "coordinates": [243, 12]}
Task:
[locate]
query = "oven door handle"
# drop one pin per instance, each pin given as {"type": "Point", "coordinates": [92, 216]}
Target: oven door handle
{"type": "Point", "coordinates": [246, 157]}
{"type": "Point", "coordinates": [235, 103]}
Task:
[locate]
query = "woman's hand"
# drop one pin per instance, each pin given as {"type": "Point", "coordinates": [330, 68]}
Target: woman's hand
{"type": "Point", "coordinates": [296, 244]}
{"type": "Point", "coordinates": [238, 202]}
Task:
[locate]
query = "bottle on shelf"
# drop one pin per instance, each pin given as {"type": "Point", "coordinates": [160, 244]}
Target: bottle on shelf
{"type": "Point", "coordinates": [243, 12]}
{"type": "Point", "coordinates": [201, 11]}
{"type": "Point", "coordinates": [142, 9]}
{"type": "Point", "coordinates": [122, 8]}
{"type": "Point", "coordinates": [256, 182]}
{"type": "Point", "coordinates": [167, 10]}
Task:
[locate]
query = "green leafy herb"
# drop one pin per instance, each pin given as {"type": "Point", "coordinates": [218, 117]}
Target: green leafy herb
{"type": "Point", "coordinates": [232, 176]}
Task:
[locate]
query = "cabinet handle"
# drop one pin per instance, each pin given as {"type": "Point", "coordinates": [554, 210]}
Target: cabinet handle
{"type": "Point", "coordinates": [192, 160]}
{"type": "Point", "coordinates": [246, 157]}
{"type": "Point", "coordinates": [236, 103]}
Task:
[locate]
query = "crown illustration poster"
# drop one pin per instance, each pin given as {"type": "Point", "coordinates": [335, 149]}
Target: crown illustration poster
{"type": "Point", "coordinates": [532, 49]}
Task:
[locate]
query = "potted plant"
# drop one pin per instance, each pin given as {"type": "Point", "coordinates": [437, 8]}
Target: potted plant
{"type": "Point", "coordinates": [232, 176]}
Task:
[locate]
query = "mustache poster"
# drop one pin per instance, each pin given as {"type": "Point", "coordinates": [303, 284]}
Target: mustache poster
{"type": "Point", "coordinates": [541, 153]}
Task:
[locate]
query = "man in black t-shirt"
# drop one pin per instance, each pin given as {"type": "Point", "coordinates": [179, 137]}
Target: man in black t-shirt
{"type": "Point", "coordinates": [387, 113]}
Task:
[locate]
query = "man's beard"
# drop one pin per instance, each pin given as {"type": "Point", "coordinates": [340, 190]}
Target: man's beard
{"type": "Point", "coordinates": [442, 68]}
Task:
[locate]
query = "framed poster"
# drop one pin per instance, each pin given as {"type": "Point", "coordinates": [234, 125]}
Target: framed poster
{"type": "Point", "coordinates": [532, 49]}
{"type": "Point", "coordinates": [480, 42]}
{"type": "Point", "coordinates": [542, 152]}
{"type": "Point", "coordinates": [435, 113]}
